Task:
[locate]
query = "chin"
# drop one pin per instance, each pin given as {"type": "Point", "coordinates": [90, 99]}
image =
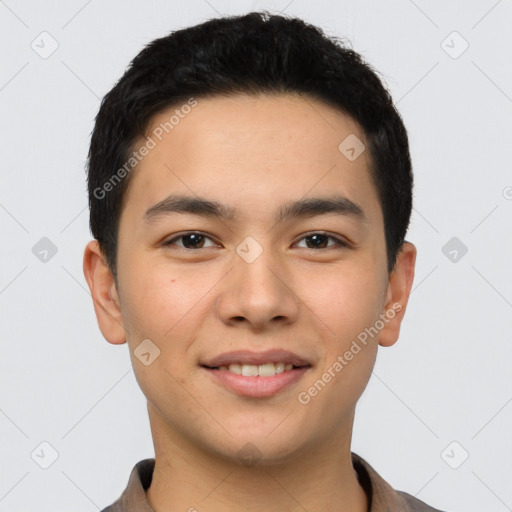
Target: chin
{"type": "Point", "coordinates": [261, 447]}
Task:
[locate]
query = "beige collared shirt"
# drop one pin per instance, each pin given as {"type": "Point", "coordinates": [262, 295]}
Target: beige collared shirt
{"type": "Point", "coordinates": [381, 496]}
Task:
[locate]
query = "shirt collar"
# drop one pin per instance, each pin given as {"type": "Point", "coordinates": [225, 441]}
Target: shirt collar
{"type": "Point", "coordinates": [381, 496]}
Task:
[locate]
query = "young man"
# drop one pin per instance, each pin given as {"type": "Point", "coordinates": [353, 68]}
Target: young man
{"type": "Point", "coordinates": [250, 189]}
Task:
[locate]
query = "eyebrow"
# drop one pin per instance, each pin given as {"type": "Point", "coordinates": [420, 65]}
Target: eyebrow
{"type": "Point", "coordinates": [309, 207]}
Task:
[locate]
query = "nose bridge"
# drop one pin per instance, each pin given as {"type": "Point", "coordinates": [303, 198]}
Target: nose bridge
{"type": "Point", "coordinates": [257, 269]}
{"type": "Point", "coordinates": [256, 289]}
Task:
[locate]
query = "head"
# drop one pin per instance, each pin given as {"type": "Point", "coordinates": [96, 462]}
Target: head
{"type": "Point", "coordinates": [245, 116]}
{"type": "Point", "coordinates": [251, 54]}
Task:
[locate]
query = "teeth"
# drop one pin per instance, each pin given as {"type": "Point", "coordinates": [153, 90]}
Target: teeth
{"type": "Point", "coordinates": [249, 370]}
{"type": "Point", "coordinates": [253, 370]}
{"type": "Point", "coordinates": [234, 368]}
{"type": "Point", "coordinates": [266, 370]}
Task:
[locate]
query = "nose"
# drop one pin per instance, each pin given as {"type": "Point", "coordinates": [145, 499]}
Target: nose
{"type": "Point", "coordinates": [258, 294]}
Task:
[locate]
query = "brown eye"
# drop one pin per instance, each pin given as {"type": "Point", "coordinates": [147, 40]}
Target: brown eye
{"type": "Point", "coordinates": [191, 240]}
{"type": "Point", "coordinates": [319, 241]}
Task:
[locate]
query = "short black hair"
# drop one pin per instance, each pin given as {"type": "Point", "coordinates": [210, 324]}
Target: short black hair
{"type": "Point", "coordinates": [253, 53]}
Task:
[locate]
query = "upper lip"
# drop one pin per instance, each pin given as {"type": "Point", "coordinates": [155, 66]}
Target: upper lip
{"type": "Point", "coordinates": [256, 358]}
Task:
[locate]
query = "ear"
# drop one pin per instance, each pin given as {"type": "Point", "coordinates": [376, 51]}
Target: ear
{"type": "Point", "coordinates": [399, 289]}
{"type": "Point", "coordinates": [104, 294]}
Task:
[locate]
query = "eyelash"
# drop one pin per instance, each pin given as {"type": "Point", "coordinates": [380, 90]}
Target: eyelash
{"type": "Point", "coordinates": [339, 243]}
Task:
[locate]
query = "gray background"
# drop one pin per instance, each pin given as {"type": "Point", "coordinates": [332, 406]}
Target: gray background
{"type": "Point", "coordinates": [443, 392]}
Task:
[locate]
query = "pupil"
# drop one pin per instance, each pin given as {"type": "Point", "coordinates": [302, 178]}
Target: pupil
{"type": "Point", "coordinates": [318, 239]}
{"type": "Point", "coordinates": [195, 239]}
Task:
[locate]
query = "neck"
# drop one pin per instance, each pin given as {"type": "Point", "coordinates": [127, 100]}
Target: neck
{"type": "Point", "coordinates": [188, 478]}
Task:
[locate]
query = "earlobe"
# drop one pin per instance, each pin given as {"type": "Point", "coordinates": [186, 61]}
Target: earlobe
{"type": "Point", "coordinates": [399, 289]}
{"type": "Point", "coordinates": [104, 294]}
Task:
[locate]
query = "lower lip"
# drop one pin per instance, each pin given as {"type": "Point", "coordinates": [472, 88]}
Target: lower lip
{"type": "Point", "coordinates": [257, 386]}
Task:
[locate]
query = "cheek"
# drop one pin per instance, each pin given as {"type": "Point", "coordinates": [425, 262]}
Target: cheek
{"type": "Point", "coordinates": [346, 300]}
{"type": "Point", "coordinates": [156, 300]}
{"type": "Point", "coordinates": [168, 309]}
{"type": "Point", "coordinates": [348, 307]}
{"type": "Point", "coordinates": [162, 309]}
{"type": "Point", "coordinates": [348, 384]}
{"type": "Point", "coordinates": [333, 392]}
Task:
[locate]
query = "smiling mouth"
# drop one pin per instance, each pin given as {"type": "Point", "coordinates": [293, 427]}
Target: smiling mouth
{"type": "Point", "coordinates": [253, 370]}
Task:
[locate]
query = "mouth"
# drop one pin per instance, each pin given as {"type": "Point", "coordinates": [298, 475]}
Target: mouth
{"type": "Point", "coordinates": [257, 374]}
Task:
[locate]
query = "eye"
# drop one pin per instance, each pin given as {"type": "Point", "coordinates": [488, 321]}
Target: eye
{"type": "Point", "coordinates": [318, 241]}
{"type": "Point", "coordinates": [191, 240]}
{"type": "Point", "coordinates": [197, 240]}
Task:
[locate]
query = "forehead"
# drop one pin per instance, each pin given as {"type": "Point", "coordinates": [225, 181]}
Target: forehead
{"type": "Point", "coordinates": [239, 148]}
{"type": "Point", "coordinates": [293, 126]}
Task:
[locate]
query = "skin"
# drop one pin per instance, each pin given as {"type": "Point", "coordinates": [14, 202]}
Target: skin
{"type": "Point", "coordinates": [252, 153]}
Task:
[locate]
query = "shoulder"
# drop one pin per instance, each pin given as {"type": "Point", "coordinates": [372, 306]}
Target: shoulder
{"type": "Point", "coordinates": [414, 504]}
{"type": "Point", "coordinates": [133, 497]}
{"type": "Point", "coordinates": [381, 496]}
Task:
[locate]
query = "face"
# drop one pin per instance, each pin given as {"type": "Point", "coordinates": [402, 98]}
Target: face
{"type": "Point", "coordinates": [248, 280]}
